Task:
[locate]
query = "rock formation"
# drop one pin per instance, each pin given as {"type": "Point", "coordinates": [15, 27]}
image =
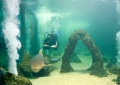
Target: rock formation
{"type": "Point", "coordinates": [97, 64]}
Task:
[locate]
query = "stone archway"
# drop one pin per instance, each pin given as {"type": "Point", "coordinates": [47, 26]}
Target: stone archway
{"type": "Point", "coordinates": [97, 63]}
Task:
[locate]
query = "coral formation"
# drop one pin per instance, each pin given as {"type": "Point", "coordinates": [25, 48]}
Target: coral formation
{"type": "Point", "coordinates": [97, 64]}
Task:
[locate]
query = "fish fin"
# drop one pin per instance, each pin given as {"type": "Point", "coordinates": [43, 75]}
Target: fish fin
{"type": "Point", "coordinates": [40, 52]}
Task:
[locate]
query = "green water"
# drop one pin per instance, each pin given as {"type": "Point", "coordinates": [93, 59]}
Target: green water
{"type": "Point", "coordinates": [97, 17]}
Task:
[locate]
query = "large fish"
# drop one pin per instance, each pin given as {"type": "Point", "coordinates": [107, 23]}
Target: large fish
{"type": "Point", "coordinates": [37, 62]}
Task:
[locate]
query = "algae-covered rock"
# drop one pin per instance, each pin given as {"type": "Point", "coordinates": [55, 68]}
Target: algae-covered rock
{"type": "Point", "coordinates": [8, 78]}
{"type": "Point", "coordinates": [23, 67]}
{"type": "Point", "coordinates": [118, 80]}
{"type": "Point", "coordinates": [11, 79]}
{"type": "Point", "coordinates": [74, 58]}
{"type": "Point", "coordinates": [114, 70]}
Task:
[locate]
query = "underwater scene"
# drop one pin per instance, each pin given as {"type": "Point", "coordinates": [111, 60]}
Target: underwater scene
{"type": "Point", "coordinates": [59, 42]}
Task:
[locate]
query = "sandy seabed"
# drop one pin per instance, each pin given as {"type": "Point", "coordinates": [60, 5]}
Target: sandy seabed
{"type": "Point", "coordinates": [79, 77]}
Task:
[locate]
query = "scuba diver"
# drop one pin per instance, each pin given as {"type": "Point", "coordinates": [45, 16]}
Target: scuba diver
{"type": "Point", "coordinates": [50, 43]}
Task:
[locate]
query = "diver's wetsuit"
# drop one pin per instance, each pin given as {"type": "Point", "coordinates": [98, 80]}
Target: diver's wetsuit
{"type": "Point", "coordinates": [50, 41]}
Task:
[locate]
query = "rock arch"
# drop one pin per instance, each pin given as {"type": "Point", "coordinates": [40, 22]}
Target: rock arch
{"type": "Point", "coordinates": [97, 63]}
